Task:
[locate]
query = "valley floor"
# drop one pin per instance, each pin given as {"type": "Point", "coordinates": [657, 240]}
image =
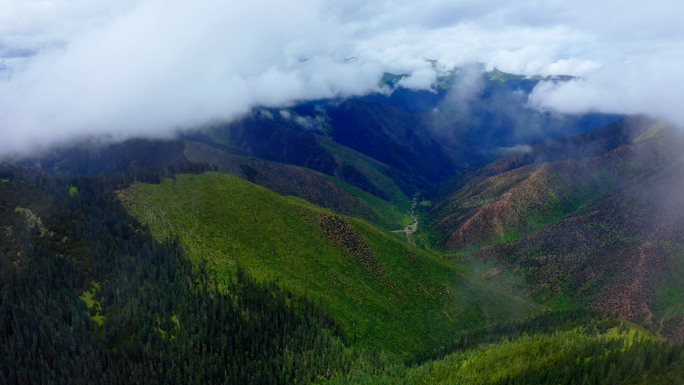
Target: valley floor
{"type": "Point", "coordinates": [411, 227]}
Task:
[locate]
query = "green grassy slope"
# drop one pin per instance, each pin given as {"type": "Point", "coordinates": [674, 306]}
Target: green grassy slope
{"type": "Point", "coordinates": [384, 292]}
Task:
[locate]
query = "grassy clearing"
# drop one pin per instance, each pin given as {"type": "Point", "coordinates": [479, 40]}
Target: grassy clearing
{"type": "Point", "coordinates": [94, 307]}
{"type": "Point", "coordinates": [426, 203]}
{"type": "Point", "coordinates": [406, 301]}
{"type": "Point", "coordinates": [174, 324]}
{"type": "Point", "coordinates": [630, 332]}
{"type": "Point", "coordinates": [406, 220]}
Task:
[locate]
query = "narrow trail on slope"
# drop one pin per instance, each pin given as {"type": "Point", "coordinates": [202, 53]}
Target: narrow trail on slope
{"type": "Point", "coordinates": [413, 227]}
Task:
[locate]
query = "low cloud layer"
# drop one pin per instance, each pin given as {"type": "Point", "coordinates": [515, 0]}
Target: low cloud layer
{"type": "Point", "coordinates": [651, 86]}
{"type": "Point", "coordinates": [117, 69]}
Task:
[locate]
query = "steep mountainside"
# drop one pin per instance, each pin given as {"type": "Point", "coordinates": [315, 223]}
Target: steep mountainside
{"type": "Point", "coordinates": [386, 293]}
{"type": "Point", "coordinates": [271, 136]}
{"type": "Point", "coordinates": [317, 188]}
{"type": "Point", "coordinates": [392, 136]}
{"type": "Point", "coordinates": [599, 226]}
{"type": "Point", "coordinates": [418, 138]}
{"type": "Point", "coordinates": [521, 192]}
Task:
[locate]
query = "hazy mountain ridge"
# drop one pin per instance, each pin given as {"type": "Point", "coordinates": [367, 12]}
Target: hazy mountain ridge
{"type": "Point", "coordinates": [317, 188]}
{"type": "Point", "coordinates": [530, 191]}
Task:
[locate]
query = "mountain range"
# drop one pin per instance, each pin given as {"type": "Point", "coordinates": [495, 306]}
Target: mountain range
{"type": "Point", "coordinates": [533, 229]}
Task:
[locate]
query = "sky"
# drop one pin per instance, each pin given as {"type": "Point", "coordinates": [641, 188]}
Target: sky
{"type": "Point", "coordinates": [116, 69]}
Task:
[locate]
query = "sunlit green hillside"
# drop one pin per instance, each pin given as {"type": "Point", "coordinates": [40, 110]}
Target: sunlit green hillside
{"type": "Point", "coordinates": [386, 293]}
{"type": "Point", "coordinates": [561, 348]}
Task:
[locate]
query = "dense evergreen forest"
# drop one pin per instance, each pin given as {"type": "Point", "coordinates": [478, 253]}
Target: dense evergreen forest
{"type": "Point", "coordinates": [162, 320]}
{"type": "Point", "coordinates": [569, 347]}
{"type": "Point", "coordinates": [88, 296]}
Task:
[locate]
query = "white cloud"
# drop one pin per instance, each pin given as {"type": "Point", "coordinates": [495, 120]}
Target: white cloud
{"type": "Point", "coordinates": [286, 114]}
{"type": "Point", "coordinates": [650, 87]}
{"type": "Point", "coordinates": [149, 67]}
{"type": "Point", "coordinates": [420, 79]}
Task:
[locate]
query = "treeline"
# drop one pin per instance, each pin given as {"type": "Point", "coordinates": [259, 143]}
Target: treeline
{"type": "Point", "coordinates": [608, 361]}
{"type": "Point", "coordinates": [589, 358]}
{"type": "Point", "coordinates": [107, 182]}
{"type": "Point", "coordinates": [565, 348]}
{"type": "Point", "coordinates": [165, 321]}
{"type": "Point", "coordinates": [588, 321]}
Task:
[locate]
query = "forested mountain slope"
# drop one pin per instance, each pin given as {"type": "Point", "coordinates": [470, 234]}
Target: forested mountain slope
{"type": "Point", "coordinates": [562, 348]}
{"type": "Point", "coordinates": [88, 296]}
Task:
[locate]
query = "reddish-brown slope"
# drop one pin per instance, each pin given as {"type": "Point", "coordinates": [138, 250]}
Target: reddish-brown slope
{"type": "Point", "coordinates": [605, 231]}
{"type": "Point", "coordinates": [524, 199]}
